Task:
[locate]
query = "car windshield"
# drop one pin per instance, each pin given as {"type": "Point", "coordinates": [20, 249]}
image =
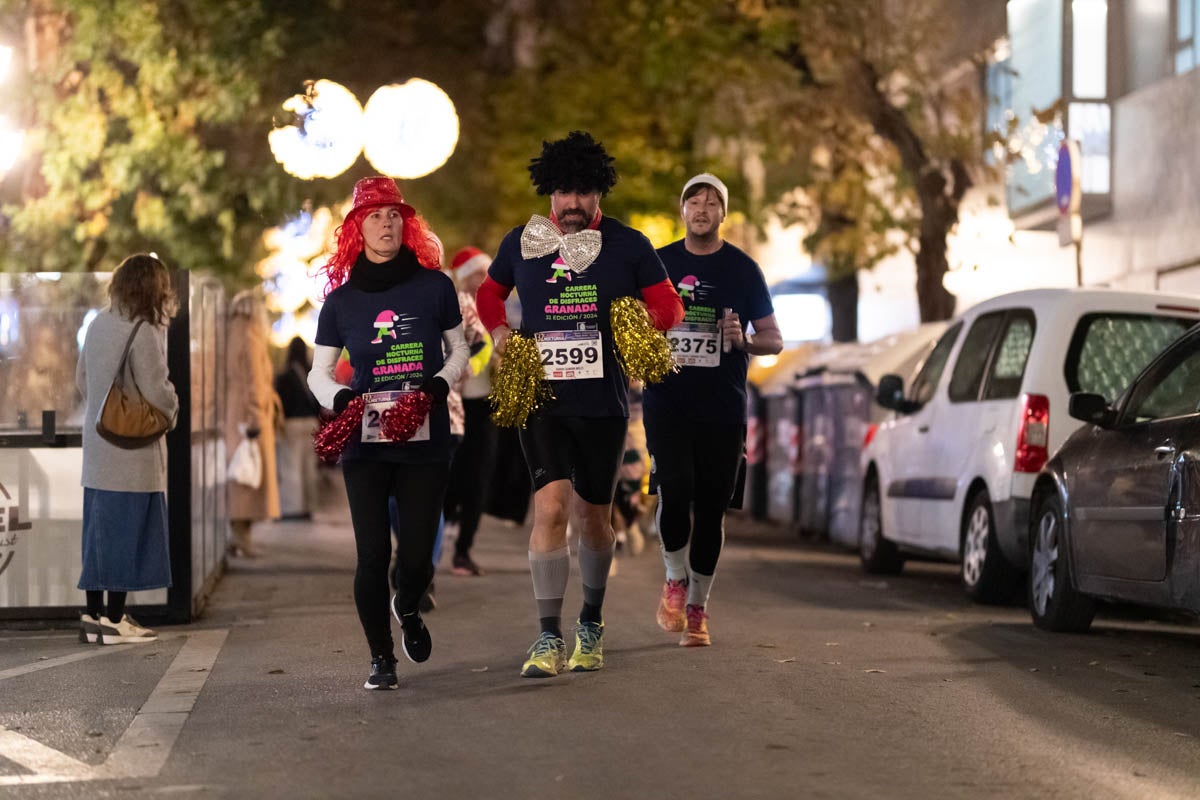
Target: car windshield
{"type": "Point", "coordinates": [1108, 350]}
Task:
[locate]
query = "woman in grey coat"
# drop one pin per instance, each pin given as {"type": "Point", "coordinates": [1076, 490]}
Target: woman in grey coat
{"type": "Point", "coordinates": [124, 491]}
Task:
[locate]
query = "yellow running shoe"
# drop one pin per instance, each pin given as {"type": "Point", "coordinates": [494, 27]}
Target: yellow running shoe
{"type": "Point", "coordinates": [696, 634]}
{"type": "Point", "coordinates": [670, 606]}
{"type": "Point", "coordinates": [589, 647]}
{"type": "Point", "coordinates": [547, 657]}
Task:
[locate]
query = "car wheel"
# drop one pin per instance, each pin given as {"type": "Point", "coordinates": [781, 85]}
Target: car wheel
{"type": "Point", "coordinates": [878, 555]}
{"type": "Point", "coordinates": [986, 576]}
{"type": "Point", "coordinates": [1054, 603]}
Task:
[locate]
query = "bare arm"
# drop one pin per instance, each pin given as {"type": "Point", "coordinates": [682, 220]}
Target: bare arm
{"type": "Point", "coordinates": [767, 339]}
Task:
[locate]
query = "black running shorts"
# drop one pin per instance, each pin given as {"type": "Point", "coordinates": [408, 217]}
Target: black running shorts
{"type": "Point", "coordinates": [584, 450]}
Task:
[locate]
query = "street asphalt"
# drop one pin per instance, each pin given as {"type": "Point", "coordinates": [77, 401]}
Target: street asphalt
{"type": "Point", "coordinates": [821, 682]}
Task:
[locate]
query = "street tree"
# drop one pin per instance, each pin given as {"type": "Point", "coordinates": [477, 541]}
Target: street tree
{"type": "Point", "coordinates": [145, 132]}
{"type": "Point", "coordinates": [889, 64]}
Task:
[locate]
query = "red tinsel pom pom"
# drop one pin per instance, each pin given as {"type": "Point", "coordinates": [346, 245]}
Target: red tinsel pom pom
{"type": "Point", "coordinates": [331, 437]}
{"type": "Point", "coordinates": [400, 422]}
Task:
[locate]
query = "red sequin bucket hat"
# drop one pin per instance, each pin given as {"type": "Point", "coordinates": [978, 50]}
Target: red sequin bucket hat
{"type": "Point", "coordinates": [379, 191]}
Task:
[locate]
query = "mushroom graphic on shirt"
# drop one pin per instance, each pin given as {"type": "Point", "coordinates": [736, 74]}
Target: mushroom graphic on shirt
{"type": "Point", "coordinates": [688, 285]}
{"type": "Point", "coordinates": [385, 326]}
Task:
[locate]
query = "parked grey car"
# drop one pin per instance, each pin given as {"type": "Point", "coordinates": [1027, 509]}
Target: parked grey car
{"type": "Point", "coordinates": [1116, 511]}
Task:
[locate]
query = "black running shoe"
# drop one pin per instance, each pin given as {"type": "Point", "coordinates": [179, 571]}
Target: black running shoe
{"type": "Point", "coordinates": [416, 640]}
{"type": "Point", "coordinates": [383, 674]}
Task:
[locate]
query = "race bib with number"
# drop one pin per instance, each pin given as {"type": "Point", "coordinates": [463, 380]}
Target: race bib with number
{"type": "Point", "coordinates": [570, 355]}
{"type": "Point", "coordinates": [372, 422]}
{"type": "Point", "coordinates": [695, 344]}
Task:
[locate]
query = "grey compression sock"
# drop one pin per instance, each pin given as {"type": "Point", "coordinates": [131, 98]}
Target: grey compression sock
{"type": "Point", "coordinates": [593, 569]}
{"type": "Point", "coordinates": [550, 572]}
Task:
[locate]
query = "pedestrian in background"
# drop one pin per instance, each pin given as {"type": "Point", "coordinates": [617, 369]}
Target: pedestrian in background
{"type": "Point", "coordinates": [473, 459]}
{"type": "Point", "coordinates": [296, 459]}
{"type": "Point", "coordinates": [696, 418]}
{"type": "Point", "coordinates": [125, 546]}
{"type": "Point", "coordinates": [253, 412]}
{"type": "Point", "coordinates": [396, 314]}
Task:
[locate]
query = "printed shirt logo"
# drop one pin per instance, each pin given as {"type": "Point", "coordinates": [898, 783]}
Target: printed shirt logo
{"type": "Point", "coordinates": [561, 270]}
{"type": "Point", "coordinates": [688, 287]}
{"type": "Point", "coordinates": [385, 325]}
{"type": "Point", "coordinates": [403, 358]}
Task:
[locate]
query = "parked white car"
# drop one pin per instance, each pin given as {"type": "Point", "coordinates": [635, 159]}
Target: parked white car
{"type": "Point", "coordinates": [950, 473]}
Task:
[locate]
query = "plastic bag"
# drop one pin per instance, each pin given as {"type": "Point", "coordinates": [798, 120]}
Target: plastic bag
{"type": "Point", "coordinates": [246, 465]}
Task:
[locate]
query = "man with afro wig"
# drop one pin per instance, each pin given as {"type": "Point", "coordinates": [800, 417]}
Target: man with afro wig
{"type": "Point", "coordinates": [567, 269]}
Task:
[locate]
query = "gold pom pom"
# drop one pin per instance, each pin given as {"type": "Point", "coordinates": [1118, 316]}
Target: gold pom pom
{"type": "Point", "coordinates": [644, 352]}
{"type": "Point", "coordinates": [518, 388]}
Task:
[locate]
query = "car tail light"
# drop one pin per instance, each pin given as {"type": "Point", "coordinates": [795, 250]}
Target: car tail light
{"type": "Point", "coordinates": [1033, 437]}
{"type": "Point", "coordinates": [871, 429]}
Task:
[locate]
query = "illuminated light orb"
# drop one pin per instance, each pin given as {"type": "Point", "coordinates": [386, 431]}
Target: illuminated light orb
{"type": "Point", "coordinates": [327, 136]}
{"type": "Point", "coordinates": [411, 129]}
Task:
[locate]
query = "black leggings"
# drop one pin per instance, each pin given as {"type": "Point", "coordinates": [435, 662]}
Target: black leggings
{"type": "Point", "coordinates": [694, 466]}
{"type": "Point", "coordinates": [418, 489]}
{"type": "Point", "coordinates": [469, 473]}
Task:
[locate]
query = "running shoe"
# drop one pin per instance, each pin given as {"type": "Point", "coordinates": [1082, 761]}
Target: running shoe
{"type": "Point", "coordinates": [670, 606]}
{"type": "Point", "coordinates": [547, 657]}
{"type": "Point", "coordinates": [696, 634]}
{"type": "Point", "coordinates": [124, 631]}
{"type": "Point", "coordinates": [383, 674]}
{"type": "Point", "coordinates": [463, 565]}
{"type": "Point", "coordinates": [89, 629]}
{"type": "Point", "coordinates": [416, 641]}
{"type": "Point", "coordinates": [589, 647]}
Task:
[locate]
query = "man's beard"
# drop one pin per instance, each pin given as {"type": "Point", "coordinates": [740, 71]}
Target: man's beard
{"type": "Point", "coordinates": [572, 220]}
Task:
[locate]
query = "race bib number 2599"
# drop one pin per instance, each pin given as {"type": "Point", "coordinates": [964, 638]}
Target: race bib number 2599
{"type": "Point", "coordinates": [571, 355]}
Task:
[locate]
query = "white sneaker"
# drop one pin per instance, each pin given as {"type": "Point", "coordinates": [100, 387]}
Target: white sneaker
{"type": "Point", "coordinates": [89, 628]}
{"type": "Point", "coordinates": [126, 631]}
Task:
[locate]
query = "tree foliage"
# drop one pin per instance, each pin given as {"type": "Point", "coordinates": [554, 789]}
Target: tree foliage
{"type": "Point", "coordinates": [133, 110]}
{"type": "Point", "coordinates": [149, 119]}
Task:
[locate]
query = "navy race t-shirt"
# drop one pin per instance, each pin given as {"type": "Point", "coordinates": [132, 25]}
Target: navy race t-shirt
{"type": "Point", "coordinates": [394, 338]}
{"type": "Point", "coordinates": [571, 313]}
{"type": "Point", "coordinates": [711, 384]}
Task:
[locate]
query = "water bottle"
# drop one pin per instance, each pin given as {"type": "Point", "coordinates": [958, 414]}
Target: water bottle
{"type": "Point", "coordinates": [726, 345]}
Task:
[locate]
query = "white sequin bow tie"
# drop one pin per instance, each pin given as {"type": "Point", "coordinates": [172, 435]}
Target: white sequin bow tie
{"type": "Point", "coordinates": [541, 237]}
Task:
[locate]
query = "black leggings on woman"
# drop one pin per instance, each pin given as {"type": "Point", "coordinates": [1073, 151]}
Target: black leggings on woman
{"type": "Point", "coordinates": [418, 490]}
{"type": "Point", "coordinates": [694, 466]}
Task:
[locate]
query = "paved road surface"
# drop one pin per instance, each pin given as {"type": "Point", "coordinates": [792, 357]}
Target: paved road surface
{"type": "Point", "coordinates": [822, 682]}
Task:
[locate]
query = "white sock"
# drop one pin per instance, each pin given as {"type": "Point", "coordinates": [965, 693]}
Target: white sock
{"type": "Point", "coordinates": [698, 589]}
{"type": "Point", "coordinates": [676, 562]}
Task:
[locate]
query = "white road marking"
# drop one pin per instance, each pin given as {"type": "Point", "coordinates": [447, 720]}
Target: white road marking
{"type": "Point", "coordinates": [146, 744]}
{"type": "Point", "coordinates": [95, 650]}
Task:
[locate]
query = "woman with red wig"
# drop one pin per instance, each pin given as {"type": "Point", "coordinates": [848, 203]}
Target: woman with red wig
{"type": "Point", "coordinates": [397, 315]}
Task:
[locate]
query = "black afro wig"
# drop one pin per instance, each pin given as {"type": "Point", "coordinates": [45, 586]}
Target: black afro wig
{"type": "Point", "coordinates": [576, 163]}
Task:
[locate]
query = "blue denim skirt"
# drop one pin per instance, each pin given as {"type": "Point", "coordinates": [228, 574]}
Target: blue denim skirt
{"type": "Point", "coordinates": [125, 547]}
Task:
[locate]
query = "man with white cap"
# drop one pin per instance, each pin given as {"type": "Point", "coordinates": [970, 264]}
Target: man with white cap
{"type": "Point", "coordinates": [696, 418]}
